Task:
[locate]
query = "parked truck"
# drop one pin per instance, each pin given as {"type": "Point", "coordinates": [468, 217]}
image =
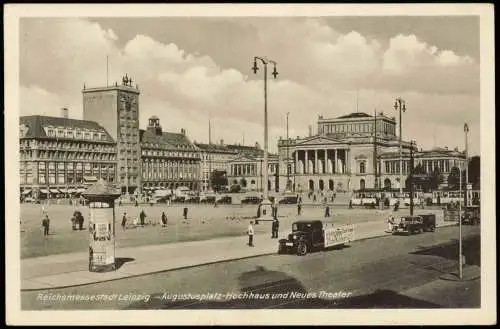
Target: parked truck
{"type": "Point", "coordinates": [309, 235]}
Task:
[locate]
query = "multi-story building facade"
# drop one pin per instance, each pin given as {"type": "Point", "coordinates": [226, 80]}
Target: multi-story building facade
{"type": "Point", "coordinates": [116, 108]}
{"type": "Point", "coordinates": [58, 155]}
{"type": "Point", "coordinates": [247, 169]}
{"type": "Point", "coordinates": [169, 160]}
{"type": "Point", "coordinates": [214, 157]}
{"type": "Point", "coordinates": [437, 159]}
{"type": "Point", "coordinates": [341, 156]}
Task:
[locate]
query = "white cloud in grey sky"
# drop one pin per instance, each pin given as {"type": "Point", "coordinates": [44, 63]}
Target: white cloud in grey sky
{"type": "Point", "coordinates": [320, 67]}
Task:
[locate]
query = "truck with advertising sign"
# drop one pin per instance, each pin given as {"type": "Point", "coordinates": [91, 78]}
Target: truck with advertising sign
{"type": "Point", "coordinates": [309, 235]}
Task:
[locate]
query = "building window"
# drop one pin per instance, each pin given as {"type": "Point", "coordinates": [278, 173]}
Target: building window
{"type": "Point", "coordinates": [362, 168]}
{"type": "Point", "coordinates": [41, 173]}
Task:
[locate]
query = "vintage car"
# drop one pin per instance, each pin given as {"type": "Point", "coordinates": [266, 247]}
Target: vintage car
{"type": "Point", "coordinates": [251, 200]}
{"type": "Point", "coordinates": [308, 235]}
{"type": "Point", "coordinates": [415, 224]}
{"type": "Point", "coordinates": [226, 199]}
{"type": "Point", "coordinates": [288, 200]}
{"type": "Point", "coordinates": [471, 216]}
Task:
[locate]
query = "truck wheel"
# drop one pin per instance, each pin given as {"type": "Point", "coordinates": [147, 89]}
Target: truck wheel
{"type": "Point", "coordinates": [301, 249]}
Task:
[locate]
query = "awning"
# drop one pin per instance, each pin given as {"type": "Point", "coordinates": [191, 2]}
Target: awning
{"type": "Point", "coordinates": [71, 190]}
{"type": "Point", "coordinates": [26, 192]}
{"type": "Point", "coordinates": [54, 190]}
{"type": "Point", "coordinates": [63, 190]}
{"type": "Point", "coordinates": [45, 191]}
{"type": "Point", "coordinates": [80, 190]}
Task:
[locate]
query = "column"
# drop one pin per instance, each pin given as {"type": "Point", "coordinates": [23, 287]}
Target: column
{"type": "Point", "coordinates": [306, 162]}
{"type": "Point", "coordinates": [316, 171]}
{"type": "Point", "coordinates": [296, 161]}
{"type": "Point", "coordinates": [335, 169]}
{"type": "Point", "coordinates": [325, 166]}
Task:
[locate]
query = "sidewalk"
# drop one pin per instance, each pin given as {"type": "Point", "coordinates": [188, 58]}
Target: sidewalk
{"type": "Point", "coordinates": [69, 270]}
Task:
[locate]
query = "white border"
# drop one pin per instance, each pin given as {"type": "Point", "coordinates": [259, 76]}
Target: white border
{"type": "Point", "coordinates": [485, 315]}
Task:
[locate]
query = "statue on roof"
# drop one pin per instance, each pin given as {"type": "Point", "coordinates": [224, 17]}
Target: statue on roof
{"type": "Point", "coordinates": [125, 80]}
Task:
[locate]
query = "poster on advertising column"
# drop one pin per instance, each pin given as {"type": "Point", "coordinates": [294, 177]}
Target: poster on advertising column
{"type": "Point", "coordinates": [101, 235]}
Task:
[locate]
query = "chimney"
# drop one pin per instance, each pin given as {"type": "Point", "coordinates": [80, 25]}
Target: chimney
{"type": "Point", "coordinates": [257, 145]}
{"type": "Point", "coordinates": [64, 112]}
{"type": "Point", "coordinates": [183, 131]}
{"type": "Point", "coordinates": [221, 142]}
{"type": "Point", "coordinates": [310, 131]}
{"type": "Point", "coordinates": [446, 148]}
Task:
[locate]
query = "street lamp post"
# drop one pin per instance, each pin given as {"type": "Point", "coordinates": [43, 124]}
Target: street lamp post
{"type": "Point", "coordinates": [466, 131]}
{"type": "Point", "coordinates": [400, 105]}
{"type": "Point", "coordinates": [288, 187]}
{"type": "Point", "coordinates": [460, 261]}
{"type": "Point", "coordinates": [265, 209]}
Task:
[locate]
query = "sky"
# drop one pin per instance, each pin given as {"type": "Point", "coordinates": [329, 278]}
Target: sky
{"type": "Point", "coordinates": [190, 69]}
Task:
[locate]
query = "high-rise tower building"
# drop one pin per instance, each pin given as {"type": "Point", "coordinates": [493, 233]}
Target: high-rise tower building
{"type": "Point", "coordinates": [116, 108]}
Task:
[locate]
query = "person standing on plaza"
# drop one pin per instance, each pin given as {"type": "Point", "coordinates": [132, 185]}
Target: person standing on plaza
{"type": "Point", "coordinates": [390, 223]}
{"type": "Point", "coordinates": [46, 225]}
{"type": "Point", "coordinates": [250, 234]}
{"type": "Point", "coordinates": [327, 211]}
{"type": "Point", "coordinates": [163, 219]}
{"type": "Point", "coordinates": [124, 221]}
{"type": "Point", "coordinates": [185, 213]}
{"type": "Point", "coordinates": [73, 222]}
{"type": "Point", "coordinates": [299, 208]}
{"type": "Point", "coordinates": [276, 225]}
{"type": "Point", "coordinates": [142, 216]}
{"type": "Point", "coordinates": [80, 221]}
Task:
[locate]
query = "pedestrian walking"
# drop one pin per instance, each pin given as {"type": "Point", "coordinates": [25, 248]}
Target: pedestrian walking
{"type": "Point", "coordinates": [163, 219]}
{"type": "Point", "coordinates": [46, 225]}
{"type": "Point", "coordinates": [185, 213]}
{"type": "Point", "coordinates": [314, 198]}
{"type": "Point", "coordinates": [250, 234]}
{"type": "Point", "coordinates": [299, 208]}
{"type": "Point", "coordinates": [142, 217]}
{"type": "Point", "coordinates": [124, 221]}
{"type": "Point", "coordinates": [327, 211]}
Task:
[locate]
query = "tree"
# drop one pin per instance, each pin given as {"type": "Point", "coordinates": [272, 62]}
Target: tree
{"type": "Point", "coordinates": [454, 178]}
{"type": "Point", "coordinates": [435, 179]}
{"type": "Point", "coordinates": [475, 170]}
{"type": "Point", "coordinates": [218, 180]}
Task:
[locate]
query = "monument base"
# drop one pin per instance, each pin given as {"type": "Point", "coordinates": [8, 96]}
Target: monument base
{"type": "Point", "coordinates": [102, 268]}
{"type": "Point", "coordinates": [264, 212]}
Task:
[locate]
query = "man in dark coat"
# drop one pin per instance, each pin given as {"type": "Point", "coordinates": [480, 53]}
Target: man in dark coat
{"type": "Point", "coordinates": [163, 219]}
{"type": "Point", "coordinates": [46, 225]}
{"type": "Point", "coordinates": [142, 216]}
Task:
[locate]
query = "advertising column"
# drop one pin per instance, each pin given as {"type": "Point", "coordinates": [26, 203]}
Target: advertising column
{"type": "Point", "coordinates": [101, 200]}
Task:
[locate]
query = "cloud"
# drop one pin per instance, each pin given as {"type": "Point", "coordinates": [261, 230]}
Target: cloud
{"type": "Point", "coordinates": [320, 71]}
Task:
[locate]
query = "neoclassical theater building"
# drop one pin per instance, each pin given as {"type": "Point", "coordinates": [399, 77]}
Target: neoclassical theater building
{"type": "Point", "coordinates": [343, 155]}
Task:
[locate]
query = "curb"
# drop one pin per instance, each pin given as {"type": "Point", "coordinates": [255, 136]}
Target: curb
{"type": "Point", "coordinates": [149, 273]}
{"type": "Point", "coordinates": [384, 234]}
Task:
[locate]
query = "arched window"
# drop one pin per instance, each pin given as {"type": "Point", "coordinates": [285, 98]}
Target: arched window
{"type": "Point", "coordinates": [321, 185]}
{"type": "Point", "coordinates": [362, 168]}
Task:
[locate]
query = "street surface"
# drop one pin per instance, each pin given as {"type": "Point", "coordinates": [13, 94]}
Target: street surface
{"type": "Point", "coordinates": [204, 222]}
{"type": "Point", "coordinates": [388, 272]}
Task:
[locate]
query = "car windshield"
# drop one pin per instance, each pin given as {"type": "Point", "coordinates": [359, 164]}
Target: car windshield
{"type": "Point", "coordinates": [301, 226]}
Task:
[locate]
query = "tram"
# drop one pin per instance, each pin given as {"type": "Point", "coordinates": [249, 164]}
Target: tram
{"type": "Point", "coordinates": [388, 196]}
